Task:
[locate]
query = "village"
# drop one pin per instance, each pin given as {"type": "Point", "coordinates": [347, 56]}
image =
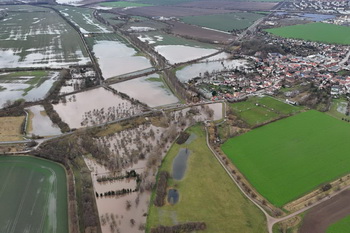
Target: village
{"type": "Point", "coordinates": [328, 67]}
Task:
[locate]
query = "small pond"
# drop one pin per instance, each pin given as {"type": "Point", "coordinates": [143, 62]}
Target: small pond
{"type": "Point", "coordinates": [173, 196]}
{"type": "Point", "coordinates": [191, 138]}
{"type": "Point", "coordinates": [180, 163]}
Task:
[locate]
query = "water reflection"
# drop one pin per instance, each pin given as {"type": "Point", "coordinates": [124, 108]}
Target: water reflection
{"type": "Point", "coordinates": [41, 123]}
{"type": "Point", "coordinates": [182, 53]}
{"type": "Point", "coordinates": [148, 89]}
{"type": "Point", "coordinates": [180, 164]}
{"type": "Point", "coordinates": [115, 58]}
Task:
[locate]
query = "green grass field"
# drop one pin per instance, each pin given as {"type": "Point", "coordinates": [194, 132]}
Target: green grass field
{"type": "Point", "coordinates": [33, 195]}
{"type": "Point", "coordinates": [293, 156]}
{"type": "Point", "coordinates": [267, 109]}
{"type": "Point", "coordinates": [319, 32]}
{"type": "Point", "coordinates": [206, 194]}
{"type": "Point", "coordinates": [224, 22]}
{"type": "Point", "coordinates": [342, 226]}
{"type": "Point", "coordinates": [122, 4]}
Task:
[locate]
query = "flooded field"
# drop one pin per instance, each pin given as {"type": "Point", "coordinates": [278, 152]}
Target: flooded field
{"type": "Point", "coordinates": [135, 149]}
{"type": "Point", "coordinates": [83, 19]}
{"type": "Point", "coordinates": [173, 196]}
{"type": "Point", "coordinates": [342, 107]}
{"type": "Point", "coordinates": [71, 85]}
{"type": "Point", "coordinates": [115, 57]}
{"type": "Point", "coordinates": [41, 124]}
{"type": "Point", "coordinates": [211, 112]}
{"type": "Point", "coordinates": [69, 2]}
{"type": "Point", "coordinates": [28, 85]}
{"type": "Point", "coordinates": [93, 107]}
{"type": "Point", "coordinates": [39, 39]}
{"type": "Point", "coordinates": [180, 164]}
{"type": "Point", "coordinates": [150, 90]}
{"type": "Point", "coordinates": [198, 69]}
{"type": "Point", "coordinates": [181, 53]}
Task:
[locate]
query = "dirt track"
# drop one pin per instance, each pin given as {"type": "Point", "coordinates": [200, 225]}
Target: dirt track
{"type": "Point", "coordinates": [170, 11]}
{"type": "Point", "coordinates": [320, 217]}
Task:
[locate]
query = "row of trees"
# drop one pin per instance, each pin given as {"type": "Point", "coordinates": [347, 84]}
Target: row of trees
{"type": "Point", "coordinates": [161, 190]}
{"type": "Point", "coordinates": [184, 227]}
{"type": "Point", "coordinates": [55, 118]}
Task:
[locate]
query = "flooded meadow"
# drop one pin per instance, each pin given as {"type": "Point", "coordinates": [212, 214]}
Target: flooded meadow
{"type": "Point", "coordinates": [41, 124]}
{"type": "Point", "coordinates": [39, 38]}
{"type": "Point", "coordinates": [27, 85]}
{"type": "Point", "coordinates": [116, 58]}
{"type": "Point", "coordinates": [150, 90]}
{"type": "Point", "coordinates": [198, 69]}
{"type": "Point", "coordinates": [94, 107]}
{"type": "Point", "coordinates": [182, 53]}
{"type": "Point", "coordinates": [141, 149]}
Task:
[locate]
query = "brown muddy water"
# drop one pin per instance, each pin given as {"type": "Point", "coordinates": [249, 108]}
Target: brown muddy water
{"type": "Point", "coordinates": [93, 107]}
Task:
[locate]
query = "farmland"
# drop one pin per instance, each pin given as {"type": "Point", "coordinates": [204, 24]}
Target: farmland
{"type": "Point", "coordinates": [116, 56]}
{"type": "Point", "coordinates": [192, 31]}
{"type": "Point", "coordinates": [319, 32]}
{"type": "Point", "coordinates": [330, 216]}
{"type": "Point", "coordinates": [160, 38]}
{"type": "Point", "coordinates": [341, 226]}
{"type": "Point", "coordinates": [39, 39]}
{"type": "Point", "coordinates": [10, 128]}
{"type": "Point", "coordinates": [257, 110]}
{"type": "Point", "coordinates": [172, 2]}
{"type": "Point", "coordinates": [122, 4]}
{"type": "Point", "coordinates": [39, 204]}
{"type": "Point", "coordinates": [28, 85]}
{"type": "Point", "coordinates": [211, 186]}
{"type": "Point", "coordinates": [83, 19]}
{"type": "Point", "coordinates": [224, 22]}
{"type": "Point", "coordinates": [283, 161]}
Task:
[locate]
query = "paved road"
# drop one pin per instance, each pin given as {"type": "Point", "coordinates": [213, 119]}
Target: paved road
{"type": "Point", "coordinates": [346, 58]}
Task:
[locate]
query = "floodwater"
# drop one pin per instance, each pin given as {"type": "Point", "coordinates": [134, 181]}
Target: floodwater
{"type": "Point", "coordinates": [173, 196]}
{"type": "Point", "coordinates": [113, 211]}
{"type": "Point", "coordinates": [148, 89]}
{"type": "Point", "coordinates": [180, 164]}
{"type": "Point", "coordinates": [317, 17]}
{"type": "Point", "coordinates": [93, 107]}
{"type": "Point", "coordinates": [218, 111]}
{"type": "Point", "coordinates": [41, 123]}
{"type": "Point", "coordinates": [342, 107]}
{"type": "Point", "coordinates": [115, 58]}
{"type": "Point", "coordinates": [203, 115]}
{"type": "Point", "coordinates": [99, 171]}
{"type": "Point", "coordinates": [199, 69]}
{"type": "Point", "coordinates": [124, 146]}
{"type": "Point", "coordinates": [182, 53]}
{"type": "Point", "coordinates": [69, 2]}
{"type": "Point", "coordinates": [220, 56]}
{"type": "Point", "coordinates": [16, 89]}
{"type": "Point", "coordinates": [190, 138]}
